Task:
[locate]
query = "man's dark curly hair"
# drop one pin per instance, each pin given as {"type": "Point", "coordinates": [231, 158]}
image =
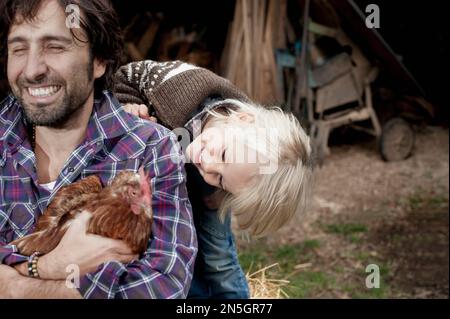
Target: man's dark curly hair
{"type": "Point", "coordinates": [98, 20]}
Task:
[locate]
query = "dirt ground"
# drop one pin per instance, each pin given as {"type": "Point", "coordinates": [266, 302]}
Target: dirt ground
{"type": "Point", "coordinates": [365, 210]}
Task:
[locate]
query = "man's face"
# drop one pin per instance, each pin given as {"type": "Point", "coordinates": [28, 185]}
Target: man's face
{"type": "Point", "coordinates": [50, 72]}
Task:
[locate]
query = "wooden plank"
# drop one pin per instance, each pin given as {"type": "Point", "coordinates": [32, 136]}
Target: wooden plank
{"type": "Point", "coordinates": [225, 58]}
{"type": "Point", "coordinates": [322, 29]}
{"type": "Point", "coordinates": [301, 69]}
{"type": "Point", "coordinates": [133, 51]}
{"type": "Point", "coordinates": [281, 32]}
{"type": "Point", "coordinates": [259, 34]}
{"type": "Point", "coordinates": [247, 46]}
{"type": "Point", "coordinates": [255, 45]}
{"type": "Point", "coordinates": [332, 69]}
{"type": "Point", "coordinates": [276, 94]}
{"type": "Point", "coordinates": [237, 33]}
{"type": "Point", "coordinates": [290, 33]}
{"type": "Point", "coordinates": [146, 41]}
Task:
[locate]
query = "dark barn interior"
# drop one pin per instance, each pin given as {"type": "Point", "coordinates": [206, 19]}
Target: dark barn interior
{"type": "Point", "coordinates": [416, 32]}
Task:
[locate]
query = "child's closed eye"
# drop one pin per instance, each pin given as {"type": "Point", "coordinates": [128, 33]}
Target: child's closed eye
{"type": "Point", "coordinates": [223, 155]}
{"type": "Point", "coordinates": [221, 181]}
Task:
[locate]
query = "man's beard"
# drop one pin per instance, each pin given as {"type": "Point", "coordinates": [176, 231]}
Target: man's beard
{"type": "Point", "coordinates": [55, 117]}
{"type": "Point", "coordinates": [72, 101]}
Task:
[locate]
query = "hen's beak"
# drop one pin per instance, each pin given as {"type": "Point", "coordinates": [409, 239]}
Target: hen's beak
{"type": "Point", "coordinates": [147, 210]}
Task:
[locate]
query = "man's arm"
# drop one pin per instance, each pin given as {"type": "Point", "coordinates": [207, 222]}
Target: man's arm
{"type": "Point", "coordinates": [14, 285]}
{"type": "Point", "coordinates": [76, 249]}
{"type": "Point", "coordinates": [165, 269]}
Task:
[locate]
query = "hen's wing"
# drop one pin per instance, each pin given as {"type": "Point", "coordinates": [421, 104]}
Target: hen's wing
{"type": "Point", "coordinates": [53, 224]}
{"type": "Point", "coordinates": [112, 217]}
{"type": "Point", "coordinates": [65, 203]}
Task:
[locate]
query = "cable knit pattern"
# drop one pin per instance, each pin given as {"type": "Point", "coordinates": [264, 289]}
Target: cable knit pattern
{"type": "Point", "coordinates": [172, 90]}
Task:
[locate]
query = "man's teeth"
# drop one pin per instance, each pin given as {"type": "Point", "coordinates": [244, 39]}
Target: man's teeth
{"type": "Point", "coordinates": [43, 91]}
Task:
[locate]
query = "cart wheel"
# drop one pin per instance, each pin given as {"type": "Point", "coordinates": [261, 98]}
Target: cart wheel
{"type": "Point", "coordinates": [397, 140]}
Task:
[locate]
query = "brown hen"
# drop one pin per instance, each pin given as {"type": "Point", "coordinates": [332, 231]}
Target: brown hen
{"type": "Point", "coordinates": [120, 211]}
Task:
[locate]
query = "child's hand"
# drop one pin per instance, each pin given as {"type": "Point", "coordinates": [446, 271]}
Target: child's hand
{"type": "Point", "coordinates": [140, 110]}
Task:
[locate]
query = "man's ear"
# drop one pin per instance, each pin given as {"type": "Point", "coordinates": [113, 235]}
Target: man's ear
{"type": "Point", "coordinates": [99, 68]}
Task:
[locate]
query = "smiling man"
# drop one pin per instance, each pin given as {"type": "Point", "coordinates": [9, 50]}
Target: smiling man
{"type": "Point", "coordinates": [62, 124]}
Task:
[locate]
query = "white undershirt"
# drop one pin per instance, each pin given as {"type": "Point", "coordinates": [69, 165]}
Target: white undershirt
{"type": "Point", "coordinates": [48, 187]}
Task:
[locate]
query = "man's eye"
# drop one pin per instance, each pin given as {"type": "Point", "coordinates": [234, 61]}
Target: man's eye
{"type": "Point", "coordinates": [55, 48]}
{"type": "Point", "coordinates": [18, 51]}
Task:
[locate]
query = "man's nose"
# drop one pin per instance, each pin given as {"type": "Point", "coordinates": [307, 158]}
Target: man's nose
{"type": "Point", "coordinates": [35, 68]}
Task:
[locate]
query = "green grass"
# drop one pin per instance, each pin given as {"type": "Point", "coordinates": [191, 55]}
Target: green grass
{"type": "Point", "coordinates": [253, 259]}
{"type": "Point", "coordinates": [419, 201]}
{"type": "Point", "coordinates": [258, 255]}
{"type": "Point", "coordinates": [352, 232]}
{"type": "Point", "coordinates": [307, 283]}
{"type": "Point", "coordinates": [345, 229]}
{"type": "Point", "coordinates": [343, 276]}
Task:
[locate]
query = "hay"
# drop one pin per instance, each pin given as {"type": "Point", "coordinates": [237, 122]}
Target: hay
{"type": "Point", "coordinates": [262, 287]}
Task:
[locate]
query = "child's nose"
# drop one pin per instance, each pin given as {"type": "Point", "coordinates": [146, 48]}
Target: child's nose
{"type": "Point", "coordinates": [207, 159]}
{"type": "Point", "coordinates": [208, 167]}
{"type": "Point", "coordinates": [213, 151]}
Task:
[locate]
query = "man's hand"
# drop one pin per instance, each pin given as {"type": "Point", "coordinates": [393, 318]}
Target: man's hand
{"type": "Point", "coordinates": [15, 286]}
{"type": "Point", "coordinates": [7, 278]}
{"type": "Point", "coordinates": [87, 251]}
{"type": "Point", "coordinates": [139, 110]}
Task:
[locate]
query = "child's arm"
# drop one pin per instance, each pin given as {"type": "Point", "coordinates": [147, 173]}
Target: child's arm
{"type": "Point", "coordinates": [173, 91]}
{"type": "Point", "coordinates": [128, 89]}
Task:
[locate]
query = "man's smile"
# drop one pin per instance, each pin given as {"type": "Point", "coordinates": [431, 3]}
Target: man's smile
{"type": "Point", "coordinates": [43, 94]}
{"type": "Point", "coordinates": [43, 91]}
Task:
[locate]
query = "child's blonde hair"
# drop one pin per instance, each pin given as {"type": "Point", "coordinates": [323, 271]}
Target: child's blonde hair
{"type": "Point", "coordinates": [273, 199]}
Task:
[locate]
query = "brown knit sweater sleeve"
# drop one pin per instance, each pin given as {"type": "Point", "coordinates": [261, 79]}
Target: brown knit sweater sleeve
{"type": "Point", "coordinates": [173, 90]}
{"type": "Point", "coordinates": [126, 89]}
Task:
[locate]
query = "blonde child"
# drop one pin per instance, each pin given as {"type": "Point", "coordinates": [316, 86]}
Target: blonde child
{"type": "Point", "coordinates": [252, 161]}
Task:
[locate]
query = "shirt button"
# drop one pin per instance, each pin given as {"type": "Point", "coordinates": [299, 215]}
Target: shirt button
{"type": "Point", "coordinates": [68, 170]}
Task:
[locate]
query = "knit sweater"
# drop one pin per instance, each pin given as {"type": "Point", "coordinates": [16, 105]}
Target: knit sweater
{"type": "Point", "coordinates": [173, 91]}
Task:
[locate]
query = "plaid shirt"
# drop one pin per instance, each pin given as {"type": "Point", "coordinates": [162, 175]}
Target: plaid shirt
{"type": "Point", "coordinates": [115, 141]}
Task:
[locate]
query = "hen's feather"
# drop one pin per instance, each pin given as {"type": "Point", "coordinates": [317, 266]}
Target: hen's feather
{"type": "Point", "coordinates": [110, 207]}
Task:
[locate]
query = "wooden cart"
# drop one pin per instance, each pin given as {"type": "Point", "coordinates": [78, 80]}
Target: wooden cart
{"type": "Point", "coordinates": [336, 91]}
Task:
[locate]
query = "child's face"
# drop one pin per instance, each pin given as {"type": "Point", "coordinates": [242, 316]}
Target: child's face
{"type": "Point", "coordinates": [222, 157]}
